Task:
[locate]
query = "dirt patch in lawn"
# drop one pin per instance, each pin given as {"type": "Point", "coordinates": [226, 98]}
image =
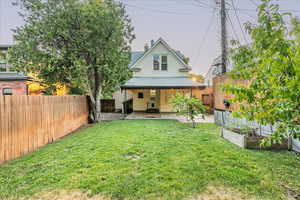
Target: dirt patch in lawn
{"type": "Point", "coordinates": [221, 193]}
{"type": "Point", "coordinates": [66, 195]}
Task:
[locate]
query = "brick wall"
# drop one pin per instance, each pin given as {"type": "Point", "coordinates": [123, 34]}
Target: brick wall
{"type": "Point", "coordinates": [18, 87]}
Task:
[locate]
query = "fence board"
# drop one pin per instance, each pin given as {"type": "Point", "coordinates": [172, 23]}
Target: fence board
{"type": "Point", "coordinates": [29, 122]}
{"type": "Point", "coordinates": [220, 96]}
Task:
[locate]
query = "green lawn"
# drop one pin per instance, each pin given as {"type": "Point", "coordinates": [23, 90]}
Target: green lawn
{"type": "Point", "coordinates": [150, 159]}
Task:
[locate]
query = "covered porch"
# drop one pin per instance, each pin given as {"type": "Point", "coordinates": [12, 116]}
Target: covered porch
{"type": "Point", "coordinates": [153, 95]}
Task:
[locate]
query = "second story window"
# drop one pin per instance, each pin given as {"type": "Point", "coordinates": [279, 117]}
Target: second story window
{"type": "Point", "coordinates": [156, 62]}
{"type": "Point", "coordinates": [164, 63]}
{"type": "Point", "coordinates": [160, 62]}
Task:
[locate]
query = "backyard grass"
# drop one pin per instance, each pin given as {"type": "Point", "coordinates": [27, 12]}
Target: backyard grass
{"type": "Point", "coordinates": [150, 159]}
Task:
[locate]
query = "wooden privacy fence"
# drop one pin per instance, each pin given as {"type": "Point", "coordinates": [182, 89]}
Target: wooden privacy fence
{"type": "Point", "coordinates": [207, 97]}
{"type": "Point", "coordinates": [29, 122]}
{"type": "Point", "coordinates": [220, 96]}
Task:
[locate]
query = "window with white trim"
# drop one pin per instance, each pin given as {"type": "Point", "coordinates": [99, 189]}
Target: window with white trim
{"type": "Point", "coordinates": [156, 62]}
{"type": "Point", "coordinates": [164, 63]}
{"type": "Point", "coordinates": [160, 62]}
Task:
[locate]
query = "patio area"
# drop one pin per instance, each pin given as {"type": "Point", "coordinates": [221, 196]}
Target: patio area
{"type": "Point", "coordinates": [183, 119]}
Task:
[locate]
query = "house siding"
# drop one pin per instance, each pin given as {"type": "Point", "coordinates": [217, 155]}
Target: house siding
{"type": "Point", "coordinates": [167, 95]}
{"type": "Point", "coordinates": [146, 64]}
{"type": "Point", "coordinates": [140, 104]}
{"type": "Point", "coordinates": [18, 87]}
{"type": "Point", "coordinates": [162, 101]}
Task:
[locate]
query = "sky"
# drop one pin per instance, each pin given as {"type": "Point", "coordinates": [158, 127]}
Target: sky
{"type": "Point", "coordinates": [191, 26]}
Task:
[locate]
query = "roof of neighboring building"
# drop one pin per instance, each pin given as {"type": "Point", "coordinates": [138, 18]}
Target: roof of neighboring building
{"type": "Point", "coordinates": [135, 55]}
{"type": "Point", "coordinates": [161, 82]}
{"type": "Point", "coordinates": [9, 76]}
{"type": "Point", "coordinates": [5, 46]}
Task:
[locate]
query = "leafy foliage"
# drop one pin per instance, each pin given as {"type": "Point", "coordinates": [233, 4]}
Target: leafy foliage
{"type": "Point", "coordinates": [84, 44]}
{"type": "Point", "coordinates": [36, 87]}
{"type": "Point", "coordinates": [186, 60]}
{"type": "Point", "coordinates": [188, 106]}
{"type": "Point", "coordinates": [271, 63]}
{"type": "Point", "coordinates": [2, 55]}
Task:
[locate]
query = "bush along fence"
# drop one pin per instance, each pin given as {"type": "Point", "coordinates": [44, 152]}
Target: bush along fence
{"type": "Point", "coordinates": [29, 122]}
{"type": "Point", "coordinates": [225, 119]}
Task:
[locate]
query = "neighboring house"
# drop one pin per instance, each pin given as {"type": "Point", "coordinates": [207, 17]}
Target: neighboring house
{"type": "Point", "coordinates": [158, 74]}
{"type": "Point", "coordinates": [13, 83]}
{"type": "Point", "coordinates": [216, 69]}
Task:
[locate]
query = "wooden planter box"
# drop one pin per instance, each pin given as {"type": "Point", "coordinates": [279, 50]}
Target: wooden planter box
{"type": "Point", "coordinates": [251, 142]}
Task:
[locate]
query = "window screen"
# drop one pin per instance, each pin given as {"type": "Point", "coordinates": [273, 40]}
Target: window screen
{"type": "Point", "coordinates": [164, 63]}
{"type": "Point", "coordinates": [156, 62]}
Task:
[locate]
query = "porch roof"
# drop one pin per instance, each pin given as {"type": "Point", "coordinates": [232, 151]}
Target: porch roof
{"type": "Point", "coordinates": [160, 82]}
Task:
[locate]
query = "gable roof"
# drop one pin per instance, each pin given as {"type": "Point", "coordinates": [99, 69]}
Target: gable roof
{"type": "Point", "coordinates": [179, 54]}
{"type": "Point", "coordinates": [137, 56]}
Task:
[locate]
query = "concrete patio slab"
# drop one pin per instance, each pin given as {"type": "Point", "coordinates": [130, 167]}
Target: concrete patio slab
{"type": "Point", "coordinates": [111, 116]}
{"type": "Point", "coordinates": [141, 115]}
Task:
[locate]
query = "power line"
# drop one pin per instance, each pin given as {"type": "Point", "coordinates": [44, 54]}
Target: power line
{"type": "Point", "coordinates": [233, 29]}
{"type": "Point", "coordinates": [254, 3]}
{"type": "Point", "coordinates": [254, 10]}
{"type": "Point", "coordinates": [204, 36]}
{"type": "Point", "coordinates": [249, 15]}
{"type": "Point", "coordinates": [205, 4]}
{"type": "Point", "coordinates": [157, 11]}
{"type": "Point", "coordinates": [238, 19]}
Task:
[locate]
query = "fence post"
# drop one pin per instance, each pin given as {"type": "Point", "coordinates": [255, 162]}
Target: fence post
{"type": "Point", "coordinates": [260, 130]}
{"type": "Point", "coordinates": [223, 121]}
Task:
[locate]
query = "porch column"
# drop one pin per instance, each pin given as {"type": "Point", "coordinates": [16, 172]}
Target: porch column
{"type": "Point", "coordinates": [124, 104]}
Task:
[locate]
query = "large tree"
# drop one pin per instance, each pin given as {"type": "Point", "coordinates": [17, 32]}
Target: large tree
{"type": "Point", "coordinates": [83, 43]}
{"type": "Point", "coordinates": [272, 64]}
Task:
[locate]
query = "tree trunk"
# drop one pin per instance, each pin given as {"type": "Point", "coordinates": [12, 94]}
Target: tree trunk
{"type": "Point", "coordinates": [95, 92]}
{"type": "Point", "coordinates": [98, 105]}
{"type": "Point", "coordinates": [95, 112]}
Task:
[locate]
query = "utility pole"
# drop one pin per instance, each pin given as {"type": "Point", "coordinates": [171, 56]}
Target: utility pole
{"type": "Point", "coordinates": [224, 44]}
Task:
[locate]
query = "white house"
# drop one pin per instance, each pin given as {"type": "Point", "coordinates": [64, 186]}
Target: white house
{"type": "Point", "coordinates": [158, 74]}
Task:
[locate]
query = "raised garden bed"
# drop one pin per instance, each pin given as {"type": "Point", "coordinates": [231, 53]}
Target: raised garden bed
{"type": "Point", "coordinates": [249, 140]}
